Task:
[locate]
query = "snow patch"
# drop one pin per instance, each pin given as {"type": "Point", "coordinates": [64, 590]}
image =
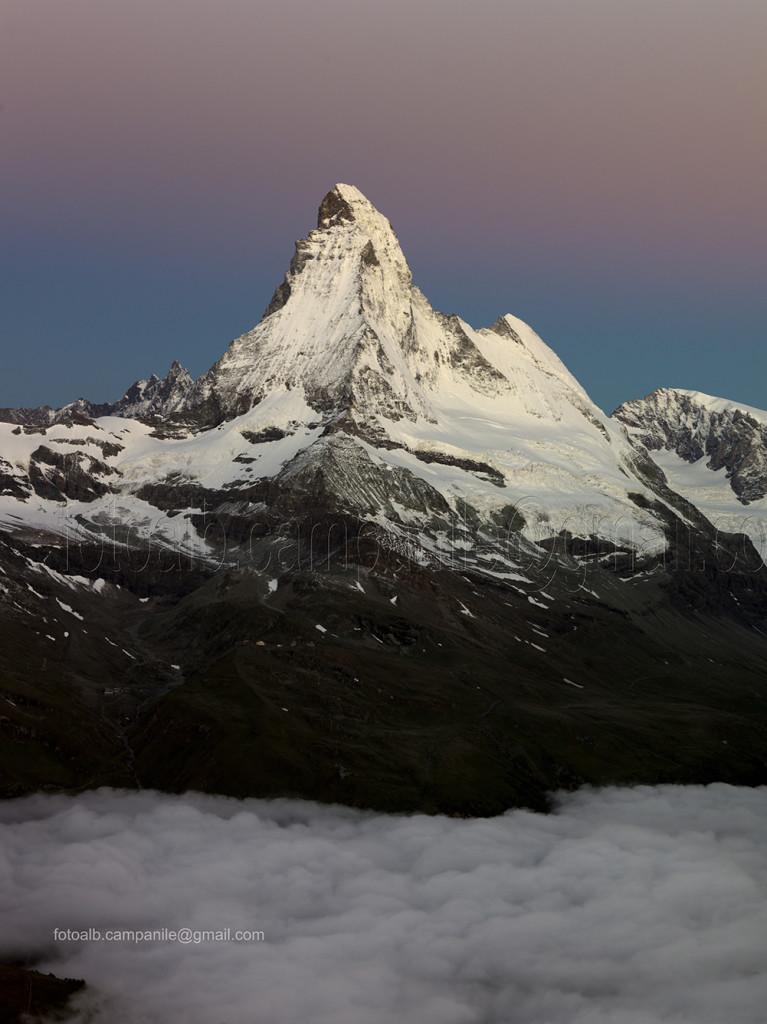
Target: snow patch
{"type": "Point", "coordinates": [71, 611]}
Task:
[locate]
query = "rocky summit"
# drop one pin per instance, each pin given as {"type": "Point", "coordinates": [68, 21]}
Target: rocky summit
{"type": "Point", "coordinates": [381, 557]}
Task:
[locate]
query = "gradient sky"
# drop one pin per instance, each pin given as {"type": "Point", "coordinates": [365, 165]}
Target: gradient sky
{"type": "Point", "coordinates": [597, 168]}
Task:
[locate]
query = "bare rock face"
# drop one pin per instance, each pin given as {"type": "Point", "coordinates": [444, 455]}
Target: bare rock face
{"type": "Point", "coordinates": [334, 209]}
{"type": "Point", "coordinates": [155, 397]}
{"type": "Point", "coordinates": [697, 426]}
{"type": "Point", "coordinates": [57, 475]}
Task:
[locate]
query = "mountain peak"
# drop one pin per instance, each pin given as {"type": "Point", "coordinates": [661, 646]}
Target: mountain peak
{"type": "Point", "coordinates": [345, 207]}
{"type": "Point", "coordinates": [344, 204]}
{"type": "Point", "coordinates": [348, 329]}
{"type": "Point", "coordinates": [694, 426]}
{"type": "Point", "coordinates": [335, 208]}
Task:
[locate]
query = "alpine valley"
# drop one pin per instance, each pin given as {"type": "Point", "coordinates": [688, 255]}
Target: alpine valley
{"type": "Point", "coordinates": [379, 557]}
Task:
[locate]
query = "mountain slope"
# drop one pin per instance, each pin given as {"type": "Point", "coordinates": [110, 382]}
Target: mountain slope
{"type": "Point", "coordinates": [713, 451]}
{"type": "Point", "coordinates": [377, 556]}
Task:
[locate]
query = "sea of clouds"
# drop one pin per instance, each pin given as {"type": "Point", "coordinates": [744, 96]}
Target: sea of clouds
{"type": "Point", "coordinates": [624, 906]}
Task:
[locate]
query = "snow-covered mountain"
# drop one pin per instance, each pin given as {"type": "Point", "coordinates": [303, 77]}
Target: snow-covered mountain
{"type": "Point", "coordinates": [378, 556]}
{"type": "Point", "coordinates": [153, 397]}
{"type": "Point", "coordinates": [354, 389]}
{"type": "Point", "coordinates": [713, 451]}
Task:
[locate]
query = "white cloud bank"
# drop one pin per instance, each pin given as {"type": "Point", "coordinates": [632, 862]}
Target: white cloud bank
{"type": "Point", "coordinates": [626, 906]}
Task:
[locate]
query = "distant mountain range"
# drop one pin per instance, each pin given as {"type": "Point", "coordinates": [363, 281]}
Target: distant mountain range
{"type": "Point", "coordinates": [377, 556]}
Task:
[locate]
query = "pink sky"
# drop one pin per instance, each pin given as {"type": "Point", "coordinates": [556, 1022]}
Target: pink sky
{"type": "Point", "coordinates": [529, 154]}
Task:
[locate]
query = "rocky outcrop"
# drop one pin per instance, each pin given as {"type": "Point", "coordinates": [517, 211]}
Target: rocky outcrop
{"type": "Point", "coordinates": [28, 995]}
{"type": "Point", "coordinates": [697, 426]}
{"type": "Point", "coordinates": [144, 398]}
{"type": "Point", "coordinates": [76, 475]}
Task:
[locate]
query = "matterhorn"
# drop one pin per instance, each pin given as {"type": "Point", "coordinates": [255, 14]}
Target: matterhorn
{"type": "Point", "coordinates": [378, 556]}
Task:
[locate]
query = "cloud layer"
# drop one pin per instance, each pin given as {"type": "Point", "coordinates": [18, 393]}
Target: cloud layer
{"type": "Point", "coordinates": [635, 906]}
